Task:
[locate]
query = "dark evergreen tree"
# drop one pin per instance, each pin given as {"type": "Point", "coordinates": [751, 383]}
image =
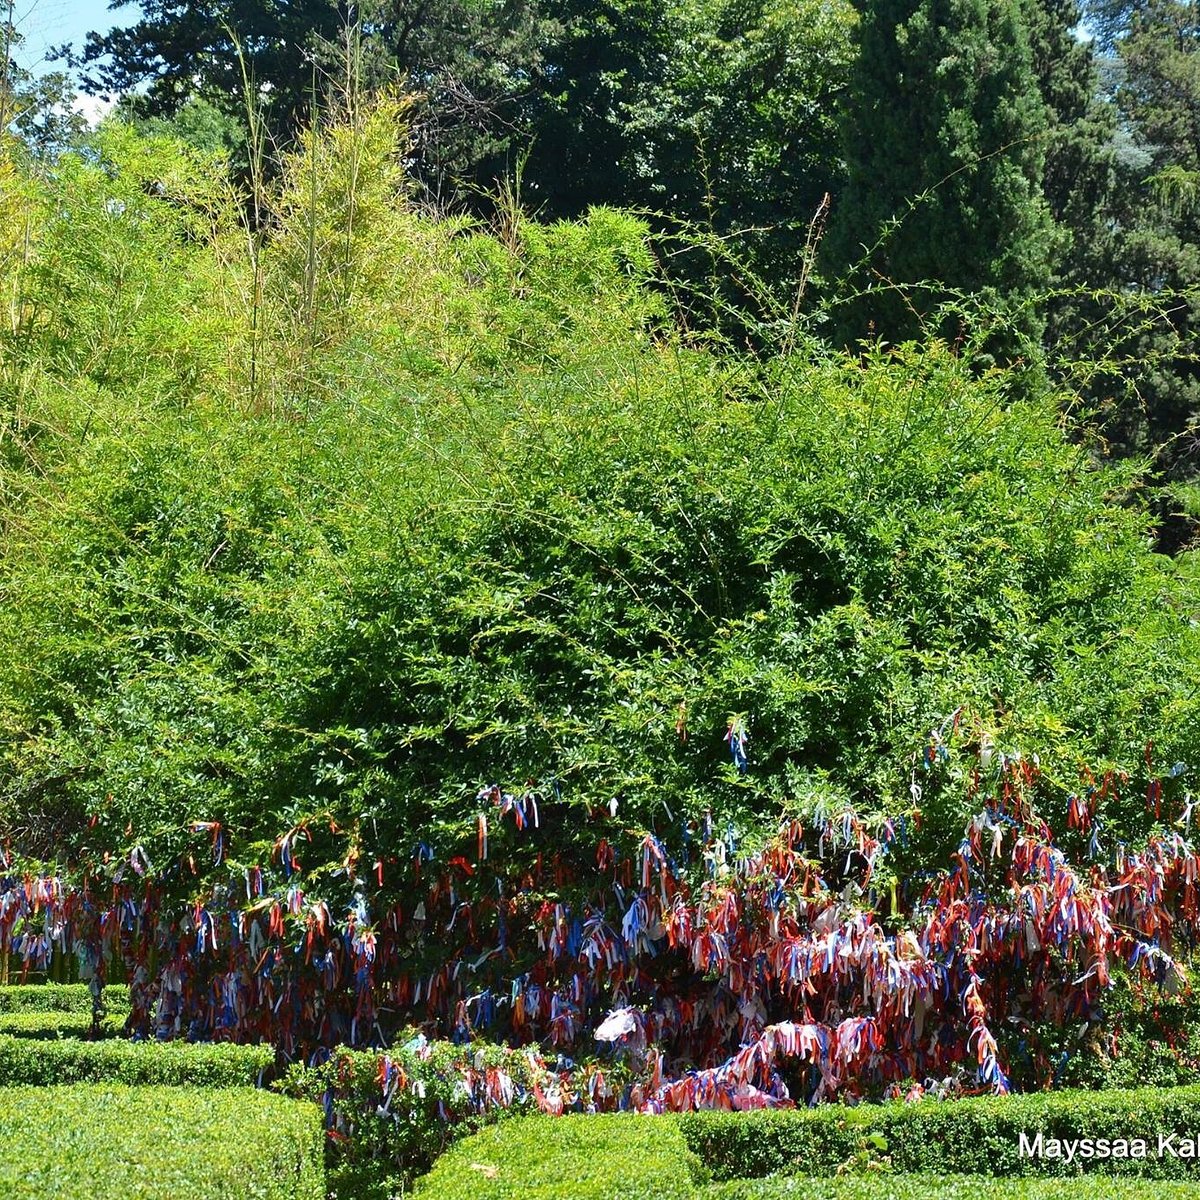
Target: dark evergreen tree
{"type": "Point", "coordinates": [177, 49]}
{"type": "Point", "coordinates": [1153, 406]}
{"type": "Point", "coordinates": [718, 115]}
{"type": "Point", "coordinates": [945, 145]}
{"type": "Point", "coordinates": [588, 120]}
{"type": "Point", "coordinates": [1080, 168]}
{"type": "Point", "coordinates": [1080, 183]}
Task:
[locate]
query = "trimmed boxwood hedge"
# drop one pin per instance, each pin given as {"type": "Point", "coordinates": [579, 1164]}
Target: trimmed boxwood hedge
{"type": "Point", "coordinates": [972, 1137]}
{"type": "Point", "coordinates": [950, 1187]}
{"type": "Point", "coordinates": [200, 1064]}
{"type": "Point", "coordinates": [106, 1142]}
{"type": "Point", "coordinates": [607, 1157]}
{"type": "Point", "coordinates": [59, 997]}
{"type": "Point", "coordinates": [51, 1025]}
{"type": "Point", "coordinates": [627, 1157]}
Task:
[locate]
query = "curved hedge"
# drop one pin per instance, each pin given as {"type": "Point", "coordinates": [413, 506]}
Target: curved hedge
{"type": "Point", "coordinates": [979, 1136]}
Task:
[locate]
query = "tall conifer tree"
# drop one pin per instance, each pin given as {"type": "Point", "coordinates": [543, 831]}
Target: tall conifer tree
{"type": "Point", "coordinates": [1080, 170]}
{"type": "Point", "coordinates": [1081, 179]}
{"type": "Point", "coordinates": [945, 144]}
{"type": "Point", "coordinates": [1158, 94]}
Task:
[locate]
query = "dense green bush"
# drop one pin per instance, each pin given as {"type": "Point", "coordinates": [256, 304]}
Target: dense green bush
{"type": "Point", "coordinates": [1151, 1038]}
{"type": "Point", "coordinates": [973, 1137]}
{"type": "Point", "coordinates": [116, 1143]}
{"type": "Point", "coordinates": [484, 516]}
{"type": "Point", "coordinates": [608, 1157]}
{"type": "Point", "coordinates": [319, 530]}
{"type": "Point", "coordinates": [380, 1147]}
{"type": "Point", "coordinates": [23, 1061]}
{"type": "Point", "coordinates": [43, 1025]}
{"type": "Point", "coordinates": [60, 997]}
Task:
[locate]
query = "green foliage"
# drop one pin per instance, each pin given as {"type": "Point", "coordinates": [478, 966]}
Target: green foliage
{"type": "Point", "coordinates": [945, 163]}
{"type": "Point", "coordinates": [54, 1025]}
{"type": "Point", "coordinates": [41, 1063]}
{"type": "Point", "coordinates": [471, 63]}
{"type": "Point", "coordinates": [113, 1143]}
{"type": "Point", "coordinates": [125, 246]}
{"type": "Point", "coordinates": [381, 1143]}
{"type": "Point", "coordinates": [608, 1157]}
{"type": "Point", "coordinates": [716, 114]}
{"type": "Point", "coordinates": [73, 998]}
{"type": "Point", "coordinates": [948, 1150]}
{"type": "Point", "coordinates": [1081, 182]}
{"type": "Point", "coordinates": [198, 123]}
{"type": "Point", "coordinates": [350, 527]}
{"type": "Point", "coordinates": [474, 67]}
{"type": "Point", "coordinates": [980, 163]}
{"type": "Point", "coordinates": [1154, 83]}
{"type": "Point", "coordinates": [933, 1187]}
{"type": "Point", "coordinates": [1150, 1038]}
{"type": "Point", "coordinates": [972, 1137]}
{"type": "Point", "coordinates": [1080, 171]}
{"type": "Point", "coordinates": [558, 292]}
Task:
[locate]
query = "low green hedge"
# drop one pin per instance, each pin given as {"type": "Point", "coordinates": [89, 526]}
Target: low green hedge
{"type": "Point", "coordinates": [203, 1064]}
{"type": "Point", "coordinates": [644, 1158]}
{"type": "Point", "coordinates": [59, 997]}
{"type": "Point", "coordinates": [608, 1157]}
{"type": "Point", "coordinates": [945, 1150]}
{"type": "Point", "coordinates": [50, 1025]}
{"type": "Point", "coordinates": [117, 1143]}
{"type": "Point", "coordinates": [970, 1137]}
{"type": "Point", "coordinates": [951, 1187]}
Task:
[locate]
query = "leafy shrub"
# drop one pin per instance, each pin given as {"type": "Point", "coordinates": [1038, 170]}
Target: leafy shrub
{"type": "Point", "coordinates": [167, 1063]}
{"type": "Point", "coordinates": [549, 527]}
{"type": "Point", "coordinates": [606, 1157]}
{"type": "Point", "coordinates": [44, 1025]}
{"type": "Point", "coordinates": [1150, 1037]}
{"type": "Point", "coordinates": [107, 1142]}
{"type": "Point", "coordinates": [113, 295]}
{"type": "Point", "coordinates": [60, 997]}
{"type": "Point", "coordinates": [384, 1135]}
{"type": "Point", "coordinates": [975, 1137]}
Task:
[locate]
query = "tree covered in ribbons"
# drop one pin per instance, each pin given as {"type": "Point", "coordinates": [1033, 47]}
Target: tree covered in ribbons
{"type": "Point", "coordinates": [757, 980]}
{"type": "Point", "coordinates": [416, 627]}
